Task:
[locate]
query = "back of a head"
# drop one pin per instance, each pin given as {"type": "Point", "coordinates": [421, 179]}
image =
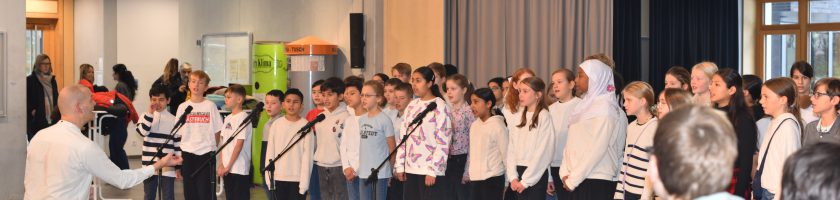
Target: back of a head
{"type": "Point", "coordinates": [752, 84]}
{"type": "Point", "coordinates": [695, 147]}
{"type": "Point", "coordinates": [812, 173]}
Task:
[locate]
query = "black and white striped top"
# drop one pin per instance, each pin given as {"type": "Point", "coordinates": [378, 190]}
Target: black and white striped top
{"type": "Point", "coordinates": [155, 128]}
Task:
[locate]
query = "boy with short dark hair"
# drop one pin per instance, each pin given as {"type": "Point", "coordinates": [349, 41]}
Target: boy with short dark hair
{"type": "Point", "coordinates": [155, 126]}
{"type": "Point", "coordinates": [292, 171]}
{"type": "Point", "coordinates": [327, 157]}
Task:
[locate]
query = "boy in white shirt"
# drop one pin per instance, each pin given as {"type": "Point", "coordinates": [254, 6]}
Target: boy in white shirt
{"type": "Point", "coordinates": [327, 157]}
{"type": "Point", "coordinates": [235, 163]}
{"type": "Point", "coordinates": [199, 137]}
{"type": "Point", "coordinates": [292, 171]}
{"type": "Point", "coordinates": [351, 137]}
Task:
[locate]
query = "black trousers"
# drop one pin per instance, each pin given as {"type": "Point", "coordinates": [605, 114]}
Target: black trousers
{"type": "Point", "coordinates": [534, 192]}
{"type": "Point", "coordinates": [202, 186]}
{"type": "Point", "coordinates": [395, 189]}
{"type": "Point", "coordinates": [118, 134]}
{"type": "Point", "coordinates": [452, 187]}
{"type": "Point", "coordinates": [594, 189]}
{"type": "Point", "coordinates": [237, 186]}
{"type": "Point", "coordinates": [287, 191]}
{"type": "Point", "coordinates": [492, 188]}
{"type": "Point", "coordinates": [415, 188]}
{"type": "Point", "coordinates": [560, 193]}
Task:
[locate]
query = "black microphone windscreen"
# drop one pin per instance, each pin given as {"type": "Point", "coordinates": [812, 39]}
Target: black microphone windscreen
{"type": "Point", "coordinates": [319, 118]}
{"type": "Point", "coordinates": [432, 106]}
{"type": "Point", "coordinates": [188, 110]}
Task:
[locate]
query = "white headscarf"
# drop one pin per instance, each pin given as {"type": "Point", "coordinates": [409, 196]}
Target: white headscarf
{"type": "Point", "coordinates": [600, 99]}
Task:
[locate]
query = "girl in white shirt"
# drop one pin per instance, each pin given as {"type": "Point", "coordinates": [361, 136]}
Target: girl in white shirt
{"type": "Point", "coordinates": [421, 161]}
{"type": "Point", "coordinates": [596, 136]}
{"type": "Point", "coordinates": [633, 180]}
{"type": "Point", "coordinates": [511, 110]}
{"type": "Point", "coordinates": [530, 148]}
{"type": "Point", "coordinates": [488, 146]}
{"type": "Point", "coordinates": [779, 99]}
{"type": "Point", "coordinates": [563, 84]}
{"type": "Point", "coordinates": [701, 77]}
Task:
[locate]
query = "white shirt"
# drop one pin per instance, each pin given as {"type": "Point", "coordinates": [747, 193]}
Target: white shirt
{"type": "Point", "coordinates": [350, 141]}
{"type": "Point", "coordinates": [531, 148]}
{"type": "Point", "coordinates": [198, 135]}
{"type": "Point", "coordinates": [560, 113]}
{"type": "Point", "coordinates": [488, 147]}
{"type": "Point", "coordinates": [242, 164]}
{"type": "Point", "coordinates": [61, 163]}
{"type": "Point", "coordinates": [594, 149]}
{"type": "Point", "coordinates": [785, 142]}
{"type": "Point", "coordinates": [329, 137]}
{"type": "Point", "coordinates": [296, 164]}
{"type": "Point", "coordinates": [808, 115]}
{"type": "Point", "coordinates": [762, 125]}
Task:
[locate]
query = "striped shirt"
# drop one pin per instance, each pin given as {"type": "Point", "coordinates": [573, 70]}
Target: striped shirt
{"type": "Point", "coordinates": [632, 182]}
{"type": "Point", "coordinates": [155, 128]}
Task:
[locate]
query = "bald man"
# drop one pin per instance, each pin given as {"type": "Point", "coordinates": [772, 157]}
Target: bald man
{"type": "Point", "coordinates": [61, 162]}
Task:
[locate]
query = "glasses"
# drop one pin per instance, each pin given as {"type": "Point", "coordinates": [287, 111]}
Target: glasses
{"type": "Point", "coordinates": [820, 94]}
{"type": "Point", "coordinates": [369, 95]}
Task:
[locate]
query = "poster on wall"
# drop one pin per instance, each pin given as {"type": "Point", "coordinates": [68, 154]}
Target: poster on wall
{"type": "Point", "coordinates": [226, 57]}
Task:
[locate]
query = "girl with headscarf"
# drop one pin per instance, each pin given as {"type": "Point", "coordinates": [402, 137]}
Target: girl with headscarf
{"type": "Point", "coordinates": [41, 95]}
{"type": "Point", "coordinates": [596, 135]}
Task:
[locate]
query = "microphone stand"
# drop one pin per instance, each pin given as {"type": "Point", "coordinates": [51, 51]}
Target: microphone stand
{"type": "Point", "coordinates": [374, 173]}
{"type": "Point", "coordinates": [210, 160]}
{"type": "Point", "coordinates": [158, 152]}
{"type": "Point", "coordinates": [270, 165]}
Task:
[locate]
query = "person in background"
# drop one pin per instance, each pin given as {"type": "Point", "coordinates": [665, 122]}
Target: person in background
{"type": "Point", "coordinates": [495, 84]}
{"type": "Point", "coordinates": [802, 74]}
{"type": "Point", "coordinates": [117, 129]}
{"type": "Point", "coordinates": [401, 71]}
{"type": "Point", "coordinates": [403, 95]}
{"type": "Point", "coordinates": [701, 76]}
{"type": "Point", "coordinates": [318, 101]}
{"type": "Point", "coordinates": [41, 96]}
{"type": "Point", "coordinates": [671, 99]}
{"type": "Point", "coordinates": [440, 77]}
{"type": "Point", "coordinates": [389, 108]}
{"type": "Point", "coordinates": [380, 77]}
{"type": "Point", "coordinates": [826, 102]}
{"type": "Point", "coordinates": [87, 76]}
{"type": "Point", "coordinates": [812, 173]}
{"type": "Point", "coordinates": [186, 69]}
{"type": "Point", "coordinates": [451, 70]}
{"type": "Point", "coordinates": [752, 93]}
{"type": "Point", "coordinates": [678, 77]}
{"type": "Point", "coordinates": [273, 107]}
{"type": "Point", "coordinates": [171, 80]}
{"type": "Point", "coordinates": [693, 150]}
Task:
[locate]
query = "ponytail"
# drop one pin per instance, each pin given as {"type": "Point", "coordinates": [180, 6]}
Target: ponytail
{"type": "Point", "coordinates": [429, 76]}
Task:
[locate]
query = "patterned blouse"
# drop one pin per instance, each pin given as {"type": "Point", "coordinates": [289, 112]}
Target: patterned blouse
{"type": "Point", "coordinates": [462, 117]}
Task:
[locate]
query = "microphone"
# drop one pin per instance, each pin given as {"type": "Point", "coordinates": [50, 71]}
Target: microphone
{"type": "Point", "coordinates": [423, 113]}
{"type": "Point", "coordinates": [312, 123]}
{"type": "Point", "coordinates": [255, 114]}
{"type": "Point", "coordinates": [183, 118]}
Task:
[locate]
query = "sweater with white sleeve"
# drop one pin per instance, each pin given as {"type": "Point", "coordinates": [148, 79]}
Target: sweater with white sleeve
{"type": "Point", "coordinates": [488, 147]}
{"type": "Point", "coordinates": [594, 149]}
{"type": "Point", "coordinates": [785, 142]}
{"type": "Point", "coordinates": [560, 112]}
{"type": "Point", "coordinates": [427, 149]}
{"type": "Point", "coordinates": [329, 137]}
{"type": "Point", "coordinates": [296, 164]}
{"type": "Point", "coordinates": [350, 141]}
{"type": "Point", "coordinates": [531, 148]}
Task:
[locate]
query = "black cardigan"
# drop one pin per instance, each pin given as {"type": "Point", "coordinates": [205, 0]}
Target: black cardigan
{"type": "Point", "coordinates": [35, 102]}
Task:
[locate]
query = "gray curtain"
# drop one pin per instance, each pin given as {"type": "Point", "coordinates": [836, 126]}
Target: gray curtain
{"type": "Point", "coordinates": [490, 38]}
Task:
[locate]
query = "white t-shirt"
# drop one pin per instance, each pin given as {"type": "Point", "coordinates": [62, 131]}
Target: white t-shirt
{"type": "Point", "coordinates": [242, 164]}
{"type": "Point", "coordinates": [808, 115]}
{"type": "Point", "coordinates": [198, 135]}
{"type": "Point", "coordinates": [374, 144]}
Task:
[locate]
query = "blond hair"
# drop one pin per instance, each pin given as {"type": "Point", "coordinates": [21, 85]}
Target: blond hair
{"type": "Point", "coordinates": [642, 90]}
{"type": "Point", "coordinates": [707, 67]}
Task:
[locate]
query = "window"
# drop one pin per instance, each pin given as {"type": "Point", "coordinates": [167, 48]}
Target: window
{"type": "Point", "coordinates": [34, 47]}
{"type": "Point", "coordinates": [796, 30]}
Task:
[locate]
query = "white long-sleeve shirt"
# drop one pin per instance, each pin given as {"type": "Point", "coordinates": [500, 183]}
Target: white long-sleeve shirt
{"type": "Point", "coordinates": [296, 164]}
{"type": "Point", "coordinates": [560, 113]}
{"type": "Point", "coordinates": [427, 149]}
{"type": "Point", "coordinates": [350, 141]}
{"type": "Point", "coordinates": [531, 148]}
{"type": "Point", "coordinates": [488, 147]}
{"type": "Point", "coordinates": [329, 137]}
{"type": "Point", "coordinates": [61, 163]}
{"type": "Point", "coordinates": [594, 149]}
{"type": "Point", "coordinates": [785, 142]}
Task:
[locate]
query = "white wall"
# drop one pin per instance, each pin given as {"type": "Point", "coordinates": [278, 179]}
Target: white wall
{"type": "Point", "coordinates": [13, 144]}
{"type": "Point", "coordinates": [281, 20]}
{"type": "Point", "coordinates": [146, 38]}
